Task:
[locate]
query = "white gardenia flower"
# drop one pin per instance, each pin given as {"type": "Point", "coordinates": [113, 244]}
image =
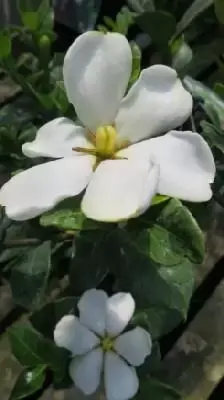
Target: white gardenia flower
{"type": "Point", "coordinates": [113, 155]}
{"type": "Point", "coordinates": [101, 348]}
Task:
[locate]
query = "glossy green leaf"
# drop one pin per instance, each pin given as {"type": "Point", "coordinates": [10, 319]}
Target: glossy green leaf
{"type": "Point", "coordinates": [30, 275]}
{"type": "Point", "coordinates": [31, 349]}
{"type": "Point", "coordinates": [171, 234]}
{"type": "Point", "coordinates": [28, 383]}
{"type": "Point", "coordinates": [68, 216]}
{"type": "Point", "coordinates": [162, 293]}
{"type": "Point", "coordinates": [219, 10]}
{"type": "Point", "coordinates": [195, 9]}
{"type": "Point", "coordinates": [156, 390]}
{"type": "Point", "coordinates": [5, 45]}
{"type": "Point", "coordinates": [45, 319]}
{"type": "Point", "coordinates": [149, 23]}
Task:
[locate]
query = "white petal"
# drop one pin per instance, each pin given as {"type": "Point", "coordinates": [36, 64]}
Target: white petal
{"type": "Point", "coordinates": [156, 103]}
{"type": "Point", "coordinates": [120, 189]}
{"type": "Point", "coordinates": [56, 139]}
{"type": "Point", "coordinates": [86, 371]}
{"type": "Point", "coordinates": [121, 381]}
{"type": "Point", "coordinates": [92, 309]}
{"type": "Point", "coordinates": [72, 335]}
{"type": "Point", "coordinates": [186, 165]}
{"type": "Point", "coordinates": [134, 346]}
{"type": "Point", "coordinates": [120, 309]}
{"type": "Point", "coordinates": [38, 189]}
{"type": "Point", "coordinates": [97, 68]}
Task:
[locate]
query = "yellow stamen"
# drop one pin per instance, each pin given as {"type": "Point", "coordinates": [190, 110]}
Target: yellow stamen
{"type": "Point", "coordinates": [106, 140]}
{"type": "Point", "coordinates": [84, 150]}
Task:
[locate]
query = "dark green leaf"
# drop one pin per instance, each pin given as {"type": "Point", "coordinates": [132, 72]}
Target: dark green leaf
{"type": "Point", "coordinates": [149, 23]}
{"type": "Point", "coordinates": [196, 8]}
{"type": "Point", "coordinates": [28, 383]}
{"type": "Point", "coordinates": [29, 276]}
{"type": "Point", "coordinates": [171, 233]}
{"type": "Point", "coordinates": [36, 15]}
{"type": "Point", "coordinates": [219, 10]}
{"type": "Point", "coordinates": [141, 6]}
{"type": "Point", "coordinates": [31, 349]}
{"type": "Point", "coordinates": [152, 362]}
{"type": "Point", "coordinates": [89, 265]}
{"type": "Point", "coordinates": [162, 293]}
{"type": "Point", "coordinates": [5, 45]}
{"type": "Point", "coordinates": [201, 91]}
{"type": "Point", "coordinates": [45, 319]}
{"type": "Point", "coordinates": [156, 390]}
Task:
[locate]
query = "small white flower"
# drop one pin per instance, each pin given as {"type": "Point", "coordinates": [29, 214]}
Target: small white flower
{"type": "Point", "coordinates": [100, 348]}
{"type": "Point", "coordinates": [114, 155]}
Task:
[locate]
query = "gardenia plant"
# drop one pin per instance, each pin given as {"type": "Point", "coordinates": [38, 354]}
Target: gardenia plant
{"type": "Point", "coordinates": [112, 153]}
{"type": "Point", "coordinates": [98, 345]}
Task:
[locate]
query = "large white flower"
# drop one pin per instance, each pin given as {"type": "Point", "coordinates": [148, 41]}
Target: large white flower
{"type": "Point", "coordinates": [113, 154]}
{"type": "Point", "coordinates": [99, 348]}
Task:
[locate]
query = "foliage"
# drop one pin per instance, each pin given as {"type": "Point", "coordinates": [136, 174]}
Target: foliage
{"type": "Point", "coordinates": [154, 256]}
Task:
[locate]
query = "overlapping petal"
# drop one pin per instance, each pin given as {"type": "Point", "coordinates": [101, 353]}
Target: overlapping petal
{"type": "Point", "coordinates": [86, 371]}
{"type": "Point", "coordinates": [186, 164]}
{"type": "Point", "coordinates": [92, 310]}
{"type": "Point", "coordinates": [121, 381]}
{"type": "Point", "coordinates": [56, 139]}
{"type": "Point", "coordinates": [72, 335]}
{"type": "Point", "coordinates": [120, 308]}
{"type": "Point", "coordinates": [97, 68]}
{"type": "Point", "coordinates": [156, 103]}
{"type": "Point", "coordinates": [38, 189]}
{"type": "Point", "coordinates": [119, 190]}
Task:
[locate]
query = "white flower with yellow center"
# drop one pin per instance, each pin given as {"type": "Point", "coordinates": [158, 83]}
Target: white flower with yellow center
{"type": "Point", "coordinates": [113, 155]}
{"type": "Point", "coordinates": [99, 348]}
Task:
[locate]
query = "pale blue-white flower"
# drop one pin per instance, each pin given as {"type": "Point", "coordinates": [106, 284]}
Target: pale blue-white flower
{"type": "Point", "coordinates": [112, 154]}
{"type": "Point", "coordinates": [99, 348]}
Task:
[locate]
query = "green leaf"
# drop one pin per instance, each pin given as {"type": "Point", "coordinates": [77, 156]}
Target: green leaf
{"type": "Point", "coordinates": [149, 23]}
{"type": "Point", "coordinates": [182, 56]}
{"type": "Point", "coordinates": [30, 275]}
{"type": "Point", "coordinates": [156, 390]}
{"type": "Point", "coordinates": [141, 6]}
{"type": "Point", "coordinates": [31, 349]}
{"type": "Point", "coordinates": [45, 319]}
{"type": "Point", "coordinates": [136, 63]}
{"type": "Point", "coordinates": [28, 383]}
{"type": "Point", "coordinates": [204, 56]}
{"type": "Point", "coordinates": [196, 8]}
{"type": "Point", "coordinates": [171, 234]}
{"type": "Point", "coordinates": [36, 15]}
{"type": "Point", "coordinates": [68, 216]}
{"type": "Point", "coordinates": [162, 293]}
{"type": "Point", "coordinates": [89, 265]}
{"type": "Point", "coordinates": [201, 91]}
{"type": "Point", "coordinates": [219, 10]}
{"type": "Point", "coordinates": [5, 46]}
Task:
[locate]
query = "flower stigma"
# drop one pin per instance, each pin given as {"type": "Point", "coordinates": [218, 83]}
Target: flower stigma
{"type": "Point", "coordinates": [107, 343]}
{"type": "Point", "coordinates": [106, 144]}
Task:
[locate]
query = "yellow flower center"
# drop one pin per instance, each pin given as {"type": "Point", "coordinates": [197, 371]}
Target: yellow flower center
{"type": "Point", "coordinates": [107, 343]}
{"type": "Point", "coordinates": [106, 144]}
{"type": "Point", "coordinates": [106, 141]}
